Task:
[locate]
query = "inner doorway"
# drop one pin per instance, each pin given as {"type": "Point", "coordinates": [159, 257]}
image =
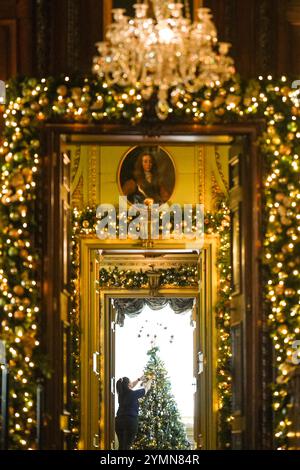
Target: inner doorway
{"type": "Point", "coordinates": [161, 342]}
{"type": "Point", "coordinates": [99, 325]}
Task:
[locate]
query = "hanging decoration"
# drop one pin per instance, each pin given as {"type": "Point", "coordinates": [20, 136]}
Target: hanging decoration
{"type": "Point", "coordinates": [31, 102]}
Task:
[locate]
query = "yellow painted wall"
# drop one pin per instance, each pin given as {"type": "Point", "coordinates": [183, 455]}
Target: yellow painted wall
{"type": "Point", "coordinates": [199, 173]}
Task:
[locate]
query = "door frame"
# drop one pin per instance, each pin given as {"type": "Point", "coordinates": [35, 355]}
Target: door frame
{"type": "Point", "coordinates": [95, 325]}
{"type": "Point", "coordinates": [257, 377]}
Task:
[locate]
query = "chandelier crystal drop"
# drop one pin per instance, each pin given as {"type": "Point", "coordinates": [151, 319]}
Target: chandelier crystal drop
{"type": "Point", "coordinates": [162, 50]}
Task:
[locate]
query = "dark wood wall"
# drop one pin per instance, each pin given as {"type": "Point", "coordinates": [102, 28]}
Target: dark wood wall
{"type": "Point", "coordinates": [42, 37]}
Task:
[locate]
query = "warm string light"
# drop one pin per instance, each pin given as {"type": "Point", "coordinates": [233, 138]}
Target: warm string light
{"type": "Point", "coordinates": [33, 101]}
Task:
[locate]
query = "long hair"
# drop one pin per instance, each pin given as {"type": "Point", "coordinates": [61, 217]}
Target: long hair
{"type": "Point", "coordinates": [122, 387]}
{"type": "Point", "coordinates": [138, 167]}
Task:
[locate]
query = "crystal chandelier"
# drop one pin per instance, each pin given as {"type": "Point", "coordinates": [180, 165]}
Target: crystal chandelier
{"type": "Point", "coordinates": [162, 49]}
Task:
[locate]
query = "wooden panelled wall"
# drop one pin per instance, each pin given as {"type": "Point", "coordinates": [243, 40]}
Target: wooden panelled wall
{"type": "Point", "coordinates": [42, 37]}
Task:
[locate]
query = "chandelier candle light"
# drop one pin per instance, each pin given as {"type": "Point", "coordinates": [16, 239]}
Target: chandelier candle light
{"type": "Point", "coordinates": [162, 49]}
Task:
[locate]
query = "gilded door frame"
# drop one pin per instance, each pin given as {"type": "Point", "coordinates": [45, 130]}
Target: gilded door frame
{"type": "Point", "coordinates": [95, 338]}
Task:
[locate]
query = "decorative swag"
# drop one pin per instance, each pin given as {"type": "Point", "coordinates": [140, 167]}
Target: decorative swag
{"type": "Point", "coordinates": [133, 307]}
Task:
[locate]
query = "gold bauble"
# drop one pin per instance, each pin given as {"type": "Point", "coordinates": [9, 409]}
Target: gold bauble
{"type": "Point", "coordinates": [27, 172]}
{"type": "Point", "coordinates": [290, 232]}
{"type": "Point", "coordinates": [220, 112]}
{"type": "Point", "coordinates": [14, 233]}
{"type": "Point", "coordinates": [279, 290]}
{"type": "Point", "coordinates": [280, 317]}
{"type": "Point", "coordinates": [206, 105]}
{"type": "Point", "coordinates": [271, 130]}
{"type": "Point", "coordinates": [24, 253]}
{"type": "Point", "coordinates": [35, 143]}
{"type": "Point", "coordinates": [285, 90]}
{"type": "Point", "coordinates": [16, 136]}
{"type": "Point", "coordinates": [276, 140]}
{"type": "Point", "coordinates": [285, 221]}
{"type": "Point", "coordinates": [62, 90]}
{"type": "Point", "coordinates": [282, 329]}
{"type": "Point", "coordinates": [218, 101]}
{"type": "Point", "coordinates": [285, 149]}
{"type": "Point", "coordinates": [5, 200]}
{"type": "Point", "coordinates": [25, 121]}
{"type": "Point", "coordinates": [85, 224]}
{"type": "Point", "coordinates": [43, 101]}
{"type": "Point", "coordinates": [19, 290]}
{"type": "Point", "coordinates": [279, 197]}
{"type": "Point", "coordinates": [41, 116]}
{"type": "Point", "coordinates": [19, 314]}
{"type": "Point", "coordinates": [29, 343]}
{"type": "Point", "coordinates": [35, 106]}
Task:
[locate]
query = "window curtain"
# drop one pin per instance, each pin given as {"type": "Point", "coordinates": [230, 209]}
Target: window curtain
{"type": "Point", "coordinates": [133, 307]}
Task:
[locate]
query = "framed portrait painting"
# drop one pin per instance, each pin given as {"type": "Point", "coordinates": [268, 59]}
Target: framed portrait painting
{"type": "Point", "coordinates": [147, 175]}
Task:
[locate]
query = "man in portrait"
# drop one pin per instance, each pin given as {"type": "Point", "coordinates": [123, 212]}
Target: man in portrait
{"type": "Point", "coordinates": [146, 186]}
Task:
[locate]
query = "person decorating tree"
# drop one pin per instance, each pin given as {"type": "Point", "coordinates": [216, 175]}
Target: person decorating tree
{"type": "Point", "coordinates": [126, 422]}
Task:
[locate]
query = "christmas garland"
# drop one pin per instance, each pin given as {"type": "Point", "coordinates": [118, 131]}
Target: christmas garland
{"type": "Point", "coordinates": [182, 276]}
{"type": "Point", "coordinates": [87, 100]}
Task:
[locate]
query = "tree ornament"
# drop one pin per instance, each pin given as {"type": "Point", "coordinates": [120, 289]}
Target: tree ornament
{"type": "Point", "coordinates": [24, 254]}
{"type": "Point", "coordinates": [13, 251]}
{"type": "Point", "coordinates": [43, 101]}
{"type": "Point", "coordinates": [206, 105]}
{"type": "Point", "coordinates": [19, 314]}
{"type": "Point", "coordinates": [62, 90]}
{"type": "Point", "coordinates": [25, 121]}
{"type": "Point", "coordinates": [292, 126]}
{"type": "Point", "coordinates": [35, 107]}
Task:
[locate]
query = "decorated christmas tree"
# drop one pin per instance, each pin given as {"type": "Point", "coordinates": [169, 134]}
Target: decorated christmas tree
{"type": "Point", "coordinates": [160, 425]}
